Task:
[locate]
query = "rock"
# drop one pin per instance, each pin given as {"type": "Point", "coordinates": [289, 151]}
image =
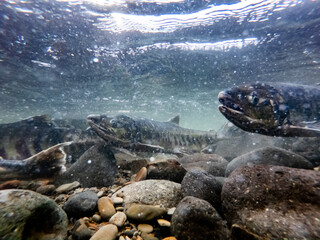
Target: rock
{"type": "Point", "coordinates": [67, 187]}
{"type": "Point", "coordinates": [80, 231]}
{"type": "Point", "coordinates": [269, 156]}
{"type": "Point", "coordinates": [142, 212]}
{"type": "Point", "coordinates": [147, 228]}
{"type": "Point", "coordinates": [169, 170]}
{"type": "Point", "coordinates": [106, 208]}
{"type": "Point", "coordinates": [200, 184]}
{"type": "Point", "coordinates": [95, 168]}
{"type": "Point", "coordinates": [107, 232]}
{"type": "Point", "coordinates": [195, 218]}
{"type": "Point", "coordinates": [117, 200]}
{"type": "Point", "coordinates": [118, 219]}
{"type": "Point", "coordinates": [96, 218]}
{"type": "Point", "coordinates": [46, 189]}
{"type": "Point", "coordinates": [10, 184]}
{"type": "Point", "coordinates": [30, 215]}
{"type": "Point", "coordinates": [211, 163]}
{"type": "Point", "coordinates": [309, 148]}
{"type": "Point", "coordinates": [142, 174]}
{"type": "Point", "coordinates": [163, 223]}
{"type": "Point", "coordinates": [81, 204]}
{"type": "Point", "coordinates": [165, 193]}
{"type": "Point", "coordinates": [274, 201]}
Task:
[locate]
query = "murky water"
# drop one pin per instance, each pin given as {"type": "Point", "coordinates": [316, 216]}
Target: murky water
{"type": "Point", "coordinates": [154, 59]}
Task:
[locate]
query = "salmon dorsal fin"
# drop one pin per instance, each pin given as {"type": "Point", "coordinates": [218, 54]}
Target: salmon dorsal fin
{"type": "Point", "coordinates": [175, 120]}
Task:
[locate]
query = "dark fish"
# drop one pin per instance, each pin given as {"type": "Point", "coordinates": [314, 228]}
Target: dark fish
{"type": "Point", "coordinates": [45, 164]}
{"type": "Point", "coordinates": [22, 139]}
{"type": "Point", "coordinates": [141, 133]}
{"type": "Point", "coordinates": [274, 109]}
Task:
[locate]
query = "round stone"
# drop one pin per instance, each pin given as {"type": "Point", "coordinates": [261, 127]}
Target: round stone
{"type": "Point", "coordinates": [118, 219]}
{"type": "Point", "coordinates": [163, 223]}
{"type": "Point", "coordinates": [142, 212]}
{"type": "Point", "coordinates": [107, 232]}
{"type": "Point", "coordinates": [106, 208]}
{"type": "Point", "coordinates": [117, 200]}
{"type": "Point", "coordinates": [146, 228]}
{"type": "Point", "coordinates": [96, 218]}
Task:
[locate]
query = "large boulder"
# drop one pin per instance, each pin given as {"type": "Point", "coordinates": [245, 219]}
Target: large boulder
{"type": "Point", "coordinates": [200, 184]}
{"type": "Point", "coordinates": [195, 218]}
{"type": "Point", "coordinates": [95, 168]}
{"type": "Point", "coordinates": [273, 202]}
{"type": "Point", "coordinates": [29, 215]}
{"type": "Point", "coordinates": [165, 193]}
{"type": "Point", "coordinates": [269, 156]}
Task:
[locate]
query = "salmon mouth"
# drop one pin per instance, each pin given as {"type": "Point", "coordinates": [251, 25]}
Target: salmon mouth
{"type": "Point", "coordinates": [100, 123]}
{"type": "Point", "coordinates": [228, 104]}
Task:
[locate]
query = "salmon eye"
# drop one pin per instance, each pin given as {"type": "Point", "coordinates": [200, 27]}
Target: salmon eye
{"type": "Point", "coordinates": [253, 98]}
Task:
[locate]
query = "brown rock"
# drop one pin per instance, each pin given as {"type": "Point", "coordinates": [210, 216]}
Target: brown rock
{"type": "Point", "coordinates": [118, 219]}
{"type": "Point", "coordinates": [142, 174]}
{"type": "Point", "coordinates": [169, 170]}
{"type": "Point", "coordinates": [105, 207]}
{"type": "Point", "coordinates": [144, 212]}
{"type": "Point", "coordinates": [274, 201]}
{"type": "Point", "coordinates": [107, 232]}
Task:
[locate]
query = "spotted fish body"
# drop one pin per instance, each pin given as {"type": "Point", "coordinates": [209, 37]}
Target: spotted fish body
{"type": "Point", "coordinates": [45, 164]}
{"type": "Point", "coordinates": [22, 139]}
{"type": "Point", "coordinates": [167, 136]}
{"type": "Point", "coordinates": [275, 109]}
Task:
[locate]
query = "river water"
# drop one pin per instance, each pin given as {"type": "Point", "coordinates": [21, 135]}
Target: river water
{"type": "Point", "coordinates": [153, 59]}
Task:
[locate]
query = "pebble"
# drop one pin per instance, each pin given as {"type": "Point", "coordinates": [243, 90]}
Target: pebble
{"type": "Point", "coordinates": [144, 212]}
{"type": "Point", "coordinates": [67, 187]}
{"type": "Point", "coordinates": [171, 211]}
{"type": "Point", "coordinates": [46, 189]}
{"type": "Point", "coordinates": [146, 228]}
{"type": "Point", "coordinates": [107, 232]}
{"type": "Point", "coordinates": [106, 208]}
{"type": "Point", "coordinates": [96, 218]}
{"type": "Point", "coordinates": [142, 174]}
{"type": "Point", "coordinates": [163, 223]}
{"type": "Point", "coordinates": [120, 209]}
{"type": "Point", "coordinates": [151, 192]}
{"type": "Point", "coordinates": [80, 231]}
{"type": "Point", "coordinates": [118, 219]}
{"type": "Point", "coordinates": [117, 200]}
{"type": "Point", "coordinates": [169, 238]}
{"type": "Point", "coordinates": [81, 204]}
{"type": "Point", "coordinates": [100, 194]}
{"type": "Point", "coordinates": [146, 236]}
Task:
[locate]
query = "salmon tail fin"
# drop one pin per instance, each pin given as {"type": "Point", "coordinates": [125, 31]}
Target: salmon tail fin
{"type": "Point", "coordinates": [47, 163]}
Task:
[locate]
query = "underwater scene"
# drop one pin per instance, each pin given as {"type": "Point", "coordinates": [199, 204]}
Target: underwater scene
{"type": "Point", "coordinates": [159, 119]}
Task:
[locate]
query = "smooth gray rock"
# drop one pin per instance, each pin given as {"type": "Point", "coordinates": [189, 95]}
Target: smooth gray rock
{"type": "Point", "coordinates": [29, 215]}
{"type": "Point", "coordinates": [165, 193]}
{"type": "Point", "coordinates": [274, 202]}
{"type": "Point", "coordinates": [95, 168]}
{"type": "Point", "coordinates": [81, 205]}
{"type": "Point", "coordinates": [195, 218]}
{"type": "Point", "coordinates": [200, 184]}
{"type": "Point", "coordinates": [269, 156]}
{"type": "Point", "coordinates": [211, 163]}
